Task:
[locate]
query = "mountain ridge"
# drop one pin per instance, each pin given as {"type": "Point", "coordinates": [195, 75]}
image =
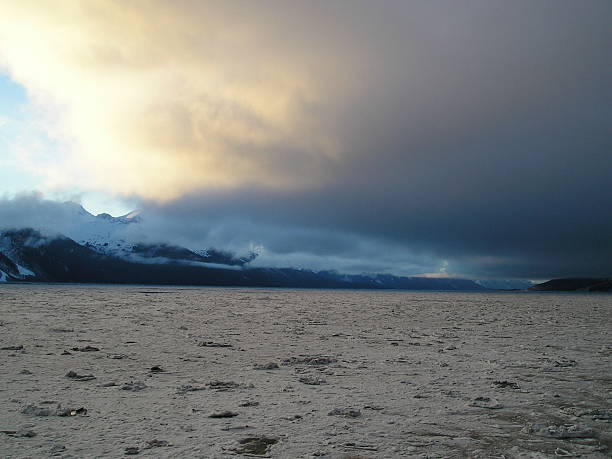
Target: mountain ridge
{"type": "Point", "coordinates": [61, 259]}
{"type": "Point", "coordinates": [575, 284]}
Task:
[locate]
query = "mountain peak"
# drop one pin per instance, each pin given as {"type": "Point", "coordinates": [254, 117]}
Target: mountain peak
{"type": "Point", "coordinates": [132, 215]}
{"type": "Point", "coordinates": [76, 208]}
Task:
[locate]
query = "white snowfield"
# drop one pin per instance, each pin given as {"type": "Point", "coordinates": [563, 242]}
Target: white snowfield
{"type": "Point", "coordinates": [104, 371]}
{"type": "Point", "coordinates": [103, 233]}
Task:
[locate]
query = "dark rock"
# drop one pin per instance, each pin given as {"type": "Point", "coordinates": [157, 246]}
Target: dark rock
{"type": "Point", "coordinates": [249, 403]}
{"type": "Point", "coordinates": [223, 414]}
{"type": "Point", "coordinates": [22, 433]}
{"type": "Point", "coordinates": [310, 360]}
{"type": "Point", "coordinates": [86, 349]}
{"type": "Point", "coordinates": [189, 388]}
{"type": "Point", "coordinates": [77, 377]}
{"type": "Point", "coordinates": [345, 412]}
{"type": "Point", "coordinates": [57, 450]}
{"type": "Point", "coordinates": [117, 356]}
{"type": "Point", "coordinates": [134, 386]}
{"type": "Point", "coordinates": [506, 385]}
{"type": "Point", "coordinates": [72, 412]}
{"type": "Point", "coordinates": [223, 385]}
{"type": "Point", "coordinates": [34, 410]}
{"type": "Point", "coordinates": [213, 344]}
{"type": "Point", "coordinates": [155, 443]}
{"type": "Point", "coordinates": [256, 446]}
{"type": "Point", "coordinates": [266, 366]}
{"type": "Point", "coordinates": [312, 380]}
{"type": "Point", "coordinates": [485, 402]}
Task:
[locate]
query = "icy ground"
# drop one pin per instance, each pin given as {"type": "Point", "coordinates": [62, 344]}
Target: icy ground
{"type": "Point", "coordinates": [96, 371]}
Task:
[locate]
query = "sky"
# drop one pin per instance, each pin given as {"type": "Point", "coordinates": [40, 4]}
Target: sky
{"type": "Point", "coordinates": [462, 138]}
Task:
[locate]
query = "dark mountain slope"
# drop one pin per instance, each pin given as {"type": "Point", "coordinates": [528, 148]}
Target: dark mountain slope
{"type": "Point", "coordinates": [575, 284]}
{"type": "Point", "coordinates": [60, 259]}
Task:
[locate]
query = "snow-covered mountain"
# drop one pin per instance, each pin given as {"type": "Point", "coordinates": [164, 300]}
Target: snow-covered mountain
{"type": "Point", "coordinates": [36, 257]}
{"type": "Point", "coordinates": [87, 248]}
{"type": "Point", "coordinates": [123, 237]}
{"type": "Point", "coordinates": [103, 233]}
{"type": "Point", "coordinates": [116, 237]}
{"type": "Point", "coordinates": [72, 245]}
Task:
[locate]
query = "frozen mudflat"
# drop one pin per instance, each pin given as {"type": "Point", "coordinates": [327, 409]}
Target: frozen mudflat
{"type": "Point", "coordinates": [96, 371]}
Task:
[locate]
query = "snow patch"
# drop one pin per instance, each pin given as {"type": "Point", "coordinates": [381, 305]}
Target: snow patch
{"type": "Point", "coordinates": [23, 271]}
{"type": "Point", "coordinates": [102, 233]}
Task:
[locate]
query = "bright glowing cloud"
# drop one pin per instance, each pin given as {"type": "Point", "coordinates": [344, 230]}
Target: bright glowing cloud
{"type": "Point", "coordinates": [158, 98]}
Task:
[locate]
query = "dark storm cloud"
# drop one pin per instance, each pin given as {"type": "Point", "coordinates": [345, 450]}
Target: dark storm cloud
{"type": "Point", "coordinates": [481, 137]}
{"type": "Point", "coordinates": [467, 137]}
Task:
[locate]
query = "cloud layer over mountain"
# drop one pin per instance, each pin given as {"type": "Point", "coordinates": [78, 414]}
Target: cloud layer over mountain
{"type": "Point", "coordinates": [467, 137]}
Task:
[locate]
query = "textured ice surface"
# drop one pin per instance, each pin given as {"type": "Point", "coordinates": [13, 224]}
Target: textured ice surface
{"type": "Point", "coordinates": [485, 375]}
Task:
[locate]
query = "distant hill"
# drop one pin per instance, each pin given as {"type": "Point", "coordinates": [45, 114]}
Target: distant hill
{"type": "Point", "coordinates": [575, 284]}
